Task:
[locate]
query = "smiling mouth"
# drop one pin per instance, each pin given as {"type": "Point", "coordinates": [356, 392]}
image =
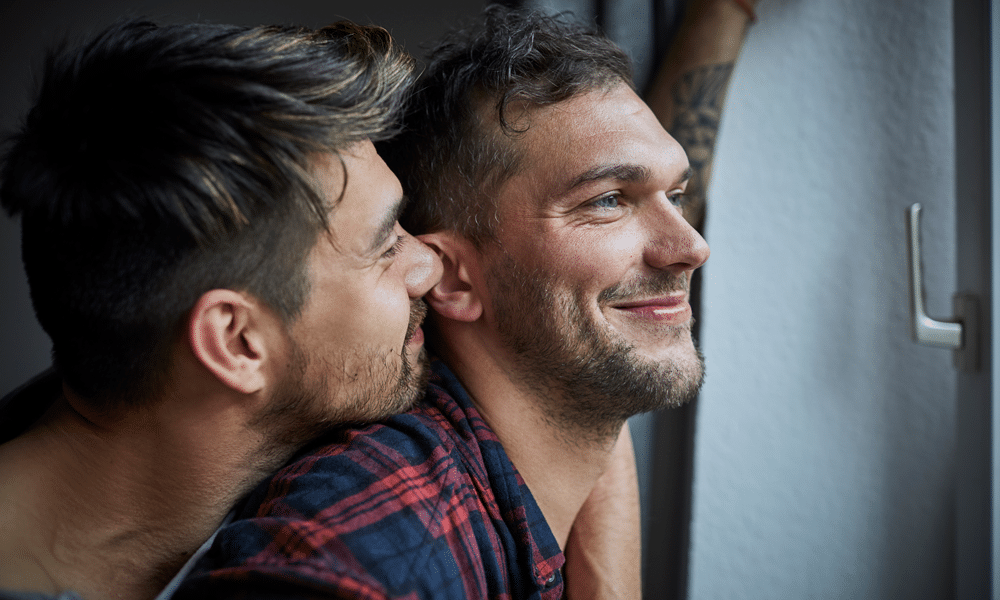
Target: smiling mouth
{"type": "Point", "coordinates": [672, 307]}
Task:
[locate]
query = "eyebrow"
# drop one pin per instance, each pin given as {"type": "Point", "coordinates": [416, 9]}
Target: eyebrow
{"type": "Point", "coordinates": [621, 172]}
{"type": "Point", "coordinates": [388, 223]}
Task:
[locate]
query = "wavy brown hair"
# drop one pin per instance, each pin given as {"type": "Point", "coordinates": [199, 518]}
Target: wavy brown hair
{"type": "Point", "coordinates": [458, 144]}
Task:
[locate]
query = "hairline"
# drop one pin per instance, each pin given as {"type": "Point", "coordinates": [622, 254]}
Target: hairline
{"type": "Point", "coordinates": [488, 110]}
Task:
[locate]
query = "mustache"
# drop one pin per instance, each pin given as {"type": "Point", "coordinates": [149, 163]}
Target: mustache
{"type": "Point", "coordinates": [418, 311]}
{"type": "Point", "coordinates": [656, 285]}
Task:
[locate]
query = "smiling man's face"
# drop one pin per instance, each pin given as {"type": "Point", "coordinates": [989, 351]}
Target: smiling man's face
{"type": "Point", "coordinates": [356, 349]}
{"type": "Point", "coordinates": [589, 280]}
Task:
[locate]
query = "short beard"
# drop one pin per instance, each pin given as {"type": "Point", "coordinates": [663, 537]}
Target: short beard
{"type": "Point", "coordinates": [305, 403]}
{"type": "Point", "coordinates": [590, 379]}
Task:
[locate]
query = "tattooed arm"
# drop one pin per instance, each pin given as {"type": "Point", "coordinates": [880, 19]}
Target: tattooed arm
{"type": "Point", "coordinates": [689, 89]}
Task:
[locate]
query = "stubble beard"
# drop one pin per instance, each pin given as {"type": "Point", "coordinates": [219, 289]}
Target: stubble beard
{"type": "Point", "coordinates": [589, 378]}
{"type": "Point", "coordinates": [305, 403]}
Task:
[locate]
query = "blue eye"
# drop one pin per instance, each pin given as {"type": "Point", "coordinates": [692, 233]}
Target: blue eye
{"type": "Point", "coordinates": [610, 201]}
{"type": "Point", "coordinates": [679, 199]}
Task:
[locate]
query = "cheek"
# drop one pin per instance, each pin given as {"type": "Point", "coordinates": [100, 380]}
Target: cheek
{"type": "Point", "coordinates": [625, 249]}
{"type": "Point", "coordinates": [382, 316]}
{"type": "Point", "coordinates": [355, 316]}
{"type": "Point", "coordinates": [592, 258]}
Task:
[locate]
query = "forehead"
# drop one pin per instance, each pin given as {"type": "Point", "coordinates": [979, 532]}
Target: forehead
{"type": "Point", "coordinates": [361, 194]}
{"type": "Point", "coordinates": [595, 130]}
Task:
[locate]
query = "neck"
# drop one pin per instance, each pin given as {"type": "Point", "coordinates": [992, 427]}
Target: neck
{"type": "Point", "coordinates": [559, 468]}
{"type": "Point", "coordinates": [114, 508]}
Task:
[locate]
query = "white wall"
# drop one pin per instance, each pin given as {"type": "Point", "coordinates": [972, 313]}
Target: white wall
{"type": "Point", "coordinates": [825, 440]}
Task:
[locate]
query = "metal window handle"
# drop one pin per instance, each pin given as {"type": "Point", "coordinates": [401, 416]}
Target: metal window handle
{"type": "Point", "coordinates": [959, 334]}
{"type": "Point", "coordinates": [941, 334]}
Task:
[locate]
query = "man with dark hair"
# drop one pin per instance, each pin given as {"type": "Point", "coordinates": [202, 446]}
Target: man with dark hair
{"type": "Point", "coordinates": [555, 199]}
{"type": "Point", "coordinates": [575, 252]}
{"type": "Point", "coordinates": [213, 246]}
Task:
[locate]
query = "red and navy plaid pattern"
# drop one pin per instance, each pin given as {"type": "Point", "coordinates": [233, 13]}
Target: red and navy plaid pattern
{"type": "Point", "coordinates": [423, 505]}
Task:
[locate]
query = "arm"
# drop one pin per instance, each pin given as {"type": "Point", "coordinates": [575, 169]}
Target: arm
{"type": "Point", "coordinates": [604, 550]}
{"type": "Point", "coordinates": [688, 91]}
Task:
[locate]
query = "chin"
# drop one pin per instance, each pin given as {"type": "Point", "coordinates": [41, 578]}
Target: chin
{"type": "Point", "coordinates": [679, 353]}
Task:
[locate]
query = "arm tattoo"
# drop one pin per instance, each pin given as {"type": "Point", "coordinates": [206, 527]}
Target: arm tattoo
{"type": "Point", "coordinates": [697, 100]}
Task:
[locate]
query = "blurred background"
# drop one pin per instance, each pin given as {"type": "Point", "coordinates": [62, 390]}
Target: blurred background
{"type": "Point", "coordinates": [826, 456]}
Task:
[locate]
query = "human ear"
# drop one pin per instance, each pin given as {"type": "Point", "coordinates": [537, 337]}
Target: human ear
{"type": "Point", "coordinates": [226, 337]}
{"type": "Point", "coordinates": [457, 295]}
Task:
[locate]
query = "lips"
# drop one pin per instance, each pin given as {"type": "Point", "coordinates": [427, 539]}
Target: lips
{"type": "Point", "coordinates": [414, 334]}
{"type": "Point", "coordinates": [415, 338]}
{"type": "Point", "coordinates": [673, 307]}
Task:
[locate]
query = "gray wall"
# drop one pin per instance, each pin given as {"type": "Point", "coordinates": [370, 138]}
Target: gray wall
{"type": "Point", "coordinates": [28, 27]}
{"type": "Point", "coordinates": [825, 440]}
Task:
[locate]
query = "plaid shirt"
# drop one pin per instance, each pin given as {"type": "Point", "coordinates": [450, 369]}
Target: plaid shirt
{"type": "Point", "coordinates": [423, 505]}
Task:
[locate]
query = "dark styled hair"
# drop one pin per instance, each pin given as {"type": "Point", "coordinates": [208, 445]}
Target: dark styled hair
{"type": "Point", "coordinates": [458, 144]}
{"type": "Point", "coordinates": [159, 162]}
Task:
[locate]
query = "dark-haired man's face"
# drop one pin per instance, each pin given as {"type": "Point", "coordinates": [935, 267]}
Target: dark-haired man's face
{"type": "Point", "coordinates": [589, 283]}
{"type": "Point", "coordinates": [357, 346]}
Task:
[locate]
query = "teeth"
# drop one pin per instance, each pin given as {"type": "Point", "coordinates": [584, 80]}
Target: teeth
{"type": "Point", "coordinates": [667, 310]}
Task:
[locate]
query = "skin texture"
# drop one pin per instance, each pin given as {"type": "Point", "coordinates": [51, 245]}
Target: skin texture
{"type": "Point", "coordinates": [596, 566]}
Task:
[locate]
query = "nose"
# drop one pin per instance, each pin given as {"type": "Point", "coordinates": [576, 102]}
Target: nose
{"type": "Point", "coordinates": [674, 244]}
{"type": "Point", "coordinates": [424, 268]}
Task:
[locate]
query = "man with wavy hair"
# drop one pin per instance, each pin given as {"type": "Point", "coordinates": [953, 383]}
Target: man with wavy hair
{"type": "Point", "coordinates": [556, 201]}
{"type": "Point", "coordinates": [212, 244]}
